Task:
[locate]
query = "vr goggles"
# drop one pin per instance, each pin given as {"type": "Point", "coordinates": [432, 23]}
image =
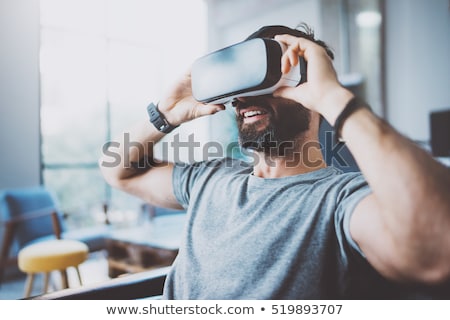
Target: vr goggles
{"type": "Point", "coordinates": [248, 68]}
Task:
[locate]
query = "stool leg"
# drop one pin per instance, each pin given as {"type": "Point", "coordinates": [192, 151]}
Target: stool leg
{"type": "Point", "coordinates": [65, 281]}
{"type": "Point", "coordinates": [79, 275]}
{"type": "Point", "coordinates": [46, 277]}
{"type": "Point", "coordinates": [52, 283]}
{"type": "Point", "coordinates": [29, 285]}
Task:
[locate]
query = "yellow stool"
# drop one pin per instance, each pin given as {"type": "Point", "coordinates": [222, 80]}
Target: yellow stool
{"type": "Point", "coordinates": [49, 256]}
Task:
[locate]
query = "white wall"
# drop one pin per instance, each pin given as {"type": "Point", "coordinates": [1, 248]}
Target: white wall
{"type": "Point", "coordinates": [231, 21]}
{"type": "Point", "coordinates": [417, 63]}
{"type": "Point", "coordinates": [19, 93]}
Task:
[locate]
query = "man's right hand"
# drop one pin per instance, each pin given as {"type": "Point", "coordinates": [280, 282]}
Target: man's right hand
{"type": "Point", "coordinates": [180, 106]}
{"type": "Point", "coordinates": [322, 92]}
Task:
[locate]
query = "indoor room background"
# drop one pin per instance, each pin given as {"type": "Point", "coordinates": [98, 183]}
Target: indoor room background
{"type": "Point", "coordinates": [74, 73]}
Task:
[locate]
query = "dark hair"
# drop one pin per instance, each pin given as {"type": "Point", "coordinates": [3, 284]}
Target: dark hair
{"type": "Point", "coordinates": [307, 32]}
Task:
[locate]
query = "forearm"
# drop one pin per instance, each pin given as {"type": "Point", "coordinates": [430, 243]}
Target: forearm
{"type": "Point", "coordinates": [130, 153]}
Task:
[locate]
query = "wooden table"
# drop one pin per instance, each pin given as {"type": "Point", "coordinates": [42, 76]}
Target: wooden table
{"type": "Point", "coordinates": [152, 245]}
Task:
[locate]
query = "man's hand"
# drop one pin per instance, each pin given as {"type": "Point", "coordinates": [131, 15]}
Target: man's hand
{"type": "Point", "coordinates": [179, 105]}
{"type": "Point", "coordinates": [322, 92]}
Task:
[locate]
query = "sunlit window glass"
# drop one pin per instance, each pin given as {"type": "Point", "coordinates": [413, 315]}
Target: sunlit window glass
{"type": "Point", "coordinates": [101, 63]}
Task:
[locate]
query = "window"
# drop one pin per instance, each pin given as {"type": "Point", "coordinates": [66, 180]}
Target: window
{"type": "Point", "coordinates": [102, 62]}
{"type": "Point", "coordinates": [354, 30]}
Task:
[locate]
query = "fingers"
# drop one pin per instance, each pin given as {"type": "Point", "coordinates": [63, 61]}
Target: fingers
{"type": "Point", "coordinates": [207, 109]}
{"type": "Point", "coordinates": [289, 60]}
{"type": "Point", "coordinates": [290, 93]}
{"type": "Point", "coordinates": [290, 57]}
{"type": "Point", "coordinates": [285, 64]}
{"type": "Point", "coordinates": [299, 44]}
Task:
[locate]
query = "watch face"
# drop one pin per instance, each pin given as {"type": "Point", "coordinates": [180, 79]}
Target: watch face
{"type": "Point", "coordinates": [163, 127]}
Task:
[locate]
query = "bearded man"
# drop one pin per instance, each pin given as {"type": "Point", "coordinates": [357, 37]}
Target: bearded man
{"type": "Point", "coordinates": [273, 230]}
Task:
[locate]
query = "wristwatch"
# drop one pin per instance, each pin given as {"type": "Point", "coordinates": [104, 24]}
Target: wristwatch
{"type": "Point", "coordinates": [157, 118]}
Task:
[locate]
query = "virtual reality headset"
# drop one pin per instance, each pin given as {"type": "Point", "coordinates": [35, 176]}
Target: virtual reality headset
{"type": "Point", "coordinates": [248, 68]}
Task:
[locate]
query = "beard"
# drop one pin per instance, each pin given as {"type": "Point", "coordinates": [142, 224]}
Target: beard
{"type": "Point", "coordinates": [279, 136]}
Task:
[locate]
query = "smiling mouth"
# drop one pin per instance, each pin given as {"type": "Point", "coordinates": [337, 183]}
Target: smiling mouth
{"type": "Point", "coordinates": [253, 109]}
{"type": "Point", "coordinates": [253, 113]}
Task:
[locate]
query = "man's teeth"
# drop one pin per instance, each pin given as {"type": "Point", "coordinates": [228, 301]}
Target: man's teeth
{"type": "Point", "coordinates": [251, 113]}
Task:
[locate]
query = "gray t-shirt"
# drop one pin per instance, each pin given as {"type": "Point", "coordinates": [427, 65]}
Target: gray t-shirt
{"type": "Point", "coordinates": [253, 238]}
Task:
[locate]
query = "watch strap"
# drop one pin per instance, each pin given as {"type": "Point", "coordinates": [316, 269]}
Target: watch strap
{"type": "Point", "coordinates": [158, 120]}
{"type": "Point", "coordinates": [354, 104]}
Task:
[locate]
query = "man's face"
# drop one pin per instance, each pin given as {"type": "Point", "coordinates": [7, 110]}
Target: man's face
{"type": "Point", "coordinates": [270, 125]}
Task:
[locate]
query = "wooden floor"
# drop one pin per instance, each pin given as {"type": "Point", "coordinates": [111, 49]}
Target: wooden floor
{"type": "Point", "coordinates": [94, 270]}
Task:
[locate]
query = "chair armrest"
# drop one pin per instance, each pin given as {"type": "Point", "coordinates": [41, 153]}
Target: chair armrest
{"type": "Point", "coordinates": [32, 215]}
{"type": "Point", "coordinates": [134, 286]}
{"type": "Point", "coordinates": [50, 211]}
{"type": "Point", "coordinates": [10, 227]}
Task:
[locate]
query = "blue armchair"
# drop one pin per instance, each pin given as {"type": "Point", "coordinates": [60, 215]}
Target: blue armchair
{"type": "Point", "coordinates": [29, 215]}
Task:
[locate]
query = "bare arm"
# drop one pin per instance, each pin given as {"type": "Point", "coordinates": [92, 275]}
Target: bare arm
{"type": "Point", "coordinates": [403, 227]}
{"type": "Point", "coordinates": [128, 163]}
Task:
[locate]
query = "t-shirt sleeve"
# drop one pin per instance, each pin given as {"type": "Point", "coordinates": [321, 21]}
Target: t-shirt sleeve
{"type": "Point", "coordinates": [186, 176]}
{"type": "Point", "coordinates": [350, 195]}
{"type": "Point", "coordinates": [183, 179]}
